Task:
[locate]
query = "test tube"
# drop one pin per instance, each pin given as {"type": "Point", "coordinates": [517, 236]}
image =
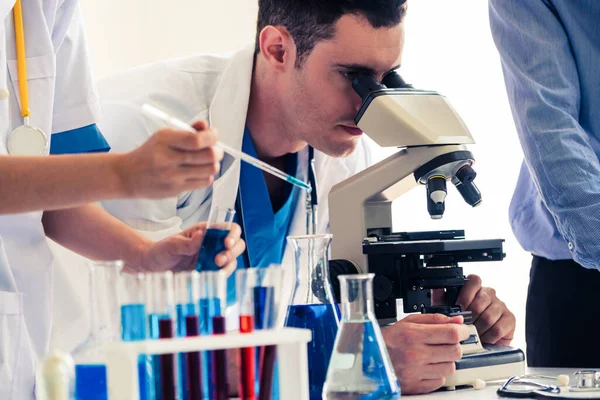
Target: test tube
{"type": "Point", "coordinates": [217, 229]}
{"type": "Point", "coordinates": [206, 309]}
{"type": "Point", "coordinates": [187, 296]}
{"type": "Point", "coordinates": [161, 314]}
{"type": "Point", "coordinates": [132, 298]}
{"type": "Point", "coordinates": [217, 288]}
{"type": "Point", "coordinates": [245, 285]}
{"type": "Point", "coordinates": [267, 306]}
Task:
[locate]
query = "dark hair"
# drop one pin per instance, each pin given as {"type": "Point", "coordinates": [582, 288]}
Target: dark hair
{"type": "Point", "coordinates": [310, 21]}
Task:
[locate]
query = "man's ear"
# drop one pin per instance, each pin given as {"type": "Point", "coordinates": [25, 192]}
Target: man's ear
{"type": "Point", "coordinates": [277, 47]}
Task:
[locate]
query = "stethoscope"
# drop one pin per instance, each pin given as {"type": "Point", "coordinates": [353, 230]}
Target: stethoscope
{"type": "Point", "coordinates": [312, 206]}
{"type": "Point", "coordinates": [27, 139]}
{"type": "Point", "coordinates": [587, 386]}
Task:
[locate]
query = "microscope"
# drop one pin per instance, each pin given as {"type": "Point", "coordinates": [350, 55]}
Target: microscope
{"type": "Point", "coordinates": [407, 265]}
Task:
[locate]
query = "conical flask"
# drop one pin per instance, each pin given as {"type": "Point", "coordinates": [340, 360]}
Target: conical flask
{"type": "Point", "coordinates": [312, 305]}
{"type": "Point", "coordinates": [90, 362]}
{"type": "Point", "coordinates": [360, 366]}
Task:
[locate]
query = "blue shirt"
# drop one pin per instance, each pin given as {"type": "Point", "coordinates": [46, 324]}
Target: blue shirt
{"type": "Point", "coordinates": [265, 230]}
{"type": "Point", "coordinates": [550, 53]}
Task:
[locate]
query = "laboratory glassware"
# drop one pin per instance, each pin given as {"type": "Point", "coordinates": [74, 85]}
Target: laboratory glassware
{"type": "Point", "coordinates": [360, 367]}
{"type": "Point", "coordinates": [312, 305]}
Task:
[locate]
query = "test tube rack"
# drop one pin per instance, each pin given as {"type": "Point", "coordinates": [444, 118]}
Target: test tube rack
{"type": "Point", "coordinates": [292, 358]}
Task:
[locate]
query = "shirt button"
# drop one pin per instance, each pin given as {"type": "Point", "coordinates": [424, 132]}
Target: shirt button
{"type": "Point", "coordinates": [570, 246]}
{"type": "Point", "coordinates": [4, 94]}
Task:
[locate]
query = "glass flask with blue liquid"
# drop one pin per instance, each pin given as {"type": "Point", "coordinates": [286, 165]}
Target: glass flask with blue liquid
{"type": "Point", "coordinates": [217, 229]}
{"type": "Point", "coordinates": [312, 305]}
{"type": "Point", "coordinates": [360, 366]}
{"type": "Point", "coordinates": [90, 361]}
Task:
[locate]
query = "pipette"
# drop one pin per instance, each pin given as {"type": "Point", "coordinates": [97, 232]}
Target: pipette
{"type": "Point", "coordinates": [152, 111]}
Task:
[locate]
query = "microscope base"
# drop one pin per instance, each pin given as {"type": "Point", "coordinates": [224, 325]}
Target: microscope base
{"type": "Point", "coordinates": [495, 363]}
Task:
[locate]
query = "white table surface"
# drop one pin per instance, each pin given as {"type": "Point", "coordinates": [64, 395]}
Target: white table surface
{"type": "Point", "coordinates": [490, 390]}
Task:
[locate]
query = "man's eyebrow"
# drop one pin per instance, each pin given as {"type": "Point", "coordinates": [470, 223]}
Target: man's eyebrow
{"type": "Point", "coordinates": [364, 68]}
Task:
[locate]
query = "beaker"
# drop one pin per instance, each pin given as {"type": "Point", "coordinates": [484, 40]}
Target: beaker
{"type": "Point", "coordinates": [217, 229]}
{"type": "Point", "coordinates": [360, 366]}
{"type": "Point", "coordinates": [312, 305]}
{"type": "Point", "coordinates": [90, 361]}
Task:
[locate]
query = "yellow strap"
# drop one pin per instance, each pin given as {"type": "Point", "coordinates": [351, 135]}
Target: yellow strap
{"type": "Point", "coordinates": [21, 61]}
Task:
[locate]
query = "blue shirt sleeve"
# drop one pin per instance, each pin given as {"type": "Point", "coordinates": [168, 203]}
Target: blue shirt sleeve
{"type": "Point", "coordinates": [543, 86]}
{"type": "Point", "coordinates": [87, 139]}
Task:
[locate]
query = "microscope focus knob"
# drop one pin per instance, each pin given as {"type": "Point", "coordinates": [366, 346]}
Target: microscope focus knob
{"type": "Point", "coordinates": [436, 196]}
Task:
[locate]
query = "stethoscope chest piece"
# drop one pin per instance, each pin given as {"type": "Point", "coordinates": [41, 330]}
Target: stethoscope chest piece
{"type": "Point", "coordinates": [27, 140]}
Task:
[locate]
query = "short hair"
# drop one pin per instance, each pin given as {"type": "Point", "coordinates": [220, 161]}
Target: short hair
{"type": "Point", "coordinates": [310, 21]}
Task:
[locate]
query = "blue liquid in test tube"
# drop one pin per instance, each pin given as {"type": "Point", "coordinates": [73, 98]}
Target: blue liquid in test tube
{"type": "Point", "coordinates": [133, 323]}
{"type": "Point", "coordinates": [208, 309]}
{"type": "Point", "coordinates": [212, 245]}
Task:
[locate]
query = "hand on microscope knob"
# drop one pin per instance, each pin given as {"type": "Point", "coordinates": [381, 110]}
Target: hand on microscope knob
{"type": "Point", "coordinates": [495, 323]}
{"type": "Point", "coordinates": [423, 349]}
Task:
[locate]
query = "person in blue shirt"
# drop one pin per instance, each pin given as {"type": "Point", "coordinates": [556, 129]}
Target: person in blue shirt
{"type": "Point", "coordinates": [550, 54]}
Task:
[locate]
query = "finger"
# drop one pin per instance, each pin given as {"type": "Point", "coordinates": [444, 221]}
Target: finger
{"type": "Point", "coordinates": [228, 255]}
{"type": "Point", "coordinates": [481, 302]}
{"type": "Point", "coordinates": [438, 371]}
{"type": "Point", "coordinates": [208, 156]}
{"type": "Point", "coordinates": [199, 227]}
{"type": "Point", "coordinates": [200, 125]}
{"type": "Point", "coordinates": [234, 235]}
{"type": "Point", "coordinates": [503, 329]}
{"type": "Point", "coordinates": [183, 140]}
{"type": "Point", "coordinates": [432, 319]}
{"type": "Point", "coordinates": [489, 317]}
{"type": "Point", "coordinates": [196, 183]}
{"type": "Point", "coordinates": [444, 334]}
{"type": "Point", "coordinates": [444, 353]}
{"type": "Point", "coordinates": [469, 291]}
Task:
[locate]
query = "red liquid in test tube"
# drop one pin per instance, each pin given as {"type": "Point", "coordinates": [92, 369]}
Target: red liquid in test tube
{"type": "Point", "coordinates": [247, 361]}
{"type": "Point", "coordinates": [167, 362]}
{"type": "Point", "coordinates": [221, 386]}
{"type": "Point", "coordinates": [194, 370]}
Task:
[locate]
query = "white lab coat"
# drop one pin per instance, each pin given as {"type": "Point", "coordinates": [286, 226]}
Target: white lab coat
{"type": "Point", "coordinates": [215, 88]}
{"type": "Point", "coordinates": [61, 98]}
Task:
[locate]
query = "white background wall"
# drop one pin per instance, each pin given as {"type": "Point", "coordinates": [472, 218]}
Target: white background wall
{"type": "Point", "coordinates": [448, 48]}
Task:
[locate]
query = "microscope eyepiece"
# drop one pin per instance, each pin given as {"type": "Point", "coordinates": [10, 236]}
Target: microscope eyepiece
{"type": "Point", "coordinates": [365, 84]}
{"type": "Point", "coordinates": [436, 196]}
{"type": "Point", "coordinates": [393, 80]}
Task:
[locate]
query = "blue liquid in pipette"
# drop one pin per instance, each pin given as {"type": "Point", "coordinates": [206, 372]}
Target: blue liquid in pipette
{"type": "Point", "coordinates": [182, 311]}
{"type": "Point", "coordinates": [321, 320]}
{"type": "Point", "coordinates": [299, 183]}
{"type": "Point", "coordinates": [133, 328]}
{"type": "Point", "coordinates": [212, 245]}
{"type": "Point", "coordinates": [208, 308]}
{"type": "Point", "coordinates": [90, 382]}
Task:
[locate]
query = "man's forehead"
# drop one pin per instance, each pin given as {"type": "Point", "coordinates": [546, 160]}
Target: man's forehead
{"type": "Point", "coordinates": [357, 43]}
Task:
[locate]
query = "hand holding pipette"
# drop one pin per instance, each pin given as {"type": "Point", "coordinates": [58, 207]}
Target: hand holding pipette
{"type": "Point", "coordinates": [152, 111]}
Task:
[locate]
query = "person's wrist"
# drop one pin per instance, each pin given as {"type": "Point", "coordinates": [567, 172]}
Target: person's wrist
{"type": "Point", "coordinates": [141, 255]}
{"type": "Point", "coordinates": [120, 172]}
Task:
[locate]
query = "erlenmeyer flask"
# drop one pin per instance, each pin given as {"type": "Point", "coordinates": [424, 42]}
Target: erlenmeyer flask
{"type": "Point", "coordinates": [360, 366]}
{"type": "Point", "coordinates": [90, 362]}
{"type": "Point", "coordinates": [312, 305]}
